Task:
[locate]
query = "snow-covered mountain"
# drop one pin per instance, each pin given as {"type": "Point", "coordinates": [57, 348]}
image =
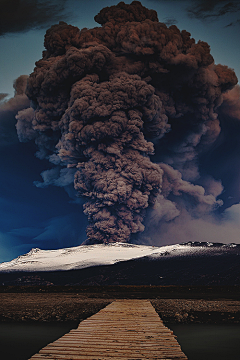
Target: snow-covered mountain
{"type": "Point", "coordinates": [85, 256]}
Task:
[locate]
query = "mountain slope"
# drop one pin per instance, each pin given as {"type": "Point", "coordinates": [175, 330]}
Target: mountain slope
{"type": "Point", "coordinates": [124, 264]}
{"type": "Point", "coordinates": [94, 255]}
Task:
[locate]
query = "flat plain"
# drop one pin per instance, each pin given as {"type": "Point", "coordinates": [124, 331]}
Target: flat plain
{"type": "Point", "coordinates": [174, 304]}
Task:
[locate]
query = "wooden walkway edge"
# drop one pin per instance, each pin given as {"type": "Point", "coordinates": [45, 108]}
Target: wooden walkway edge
{"type": "Point", "coordinates": [124, 330]}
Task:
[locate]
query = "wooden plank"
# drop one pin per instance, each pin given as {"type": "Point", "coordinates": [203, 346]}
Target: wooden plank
{"type": "Point", "coordinates": [125, 329]}
{"type": "Point", "coordinates": [112, 343]}
{"type": "Point", "coordinates": [120, 349]}
{"type": "Point", "coordinates": [83, 357]}
{"type": "Point", "coordinates": [116, 346]}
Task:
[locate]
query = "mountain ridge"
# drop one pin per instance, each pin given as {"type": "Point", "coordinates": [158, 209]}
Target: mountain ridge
{"type": "Point", "coordinates": [83, 256]}
{"type": "Point", "coordinates": [188, 264]}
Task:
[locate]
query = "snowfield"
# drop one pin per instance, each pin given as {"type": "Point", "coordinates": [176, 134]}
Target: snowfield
{"type": "Point", "coordinates": [84, 256]}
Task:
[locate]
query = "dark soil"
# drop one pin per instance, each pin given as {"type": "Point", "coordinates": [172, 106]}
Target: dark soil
{"type": "Point", "coordinates": [173, 304]}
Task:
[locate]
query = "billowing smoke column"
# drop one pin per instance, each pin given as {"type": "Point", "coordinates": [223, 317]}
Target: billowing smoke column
{"type": "Point", "coordinates": [103, 99]}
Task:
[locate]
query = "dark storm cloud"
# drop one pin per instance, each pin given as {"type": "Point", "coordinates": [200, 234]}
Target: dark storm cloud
{"type": "Point", "coordinates": [237, 22]}
{"type": "Point", "coordinates": [22, 15]}
{"type": "Point", "coordinates": [170, 21]}
{"type": "Point", "coordinates": [213, 9]}
{"type": "Point", "coordinates": [209, 9]}
{"type": "Point", "coordinates": [105, 99]}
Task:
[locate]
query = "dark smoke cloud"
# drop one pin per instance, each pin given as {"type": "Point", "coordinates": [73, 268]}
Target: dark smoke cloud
{"type": "Point", "coordinates": [22, 15]}
{"type": "Point", "coordinates": [3, 96]}
{"type": "Point", "coordinates": [105, 99]}
{"type": "Point", "coordinates": [9, 109]}
{"type": "Point", "coordinates": [231, 103]}
{"type": "Point", "coordinates": [222, 160]}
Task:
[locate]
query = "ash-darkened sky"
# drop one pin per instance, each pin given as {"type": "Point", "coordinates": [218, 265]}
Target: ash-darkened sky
{"type": "Point", "coordinates": [43, 210]}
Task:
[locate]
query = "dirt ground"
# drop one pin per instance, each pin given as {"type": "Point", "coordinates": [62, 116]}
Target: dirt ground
{"type": "Point", "coordinates": [198, 311]}
{"type": "Point", "coordinates": [48, 307]}
{"type": "Point", "coordinates": [73, 306]}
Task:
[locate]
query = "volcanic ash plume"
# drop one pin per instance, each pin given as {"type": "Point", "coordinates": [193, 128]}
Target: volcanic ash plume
{"type": "Point", "coordinates": [104, 98]}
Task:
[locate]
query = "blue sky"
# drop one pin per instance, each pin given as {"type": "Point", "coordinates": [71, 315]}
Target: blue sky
{"type": "Point", "coordinates": [50, 217]}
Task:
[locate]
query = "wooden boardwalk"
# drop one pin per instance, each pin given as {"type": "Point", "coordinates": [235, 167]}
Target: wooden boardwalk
{"type": "Point", "coordinates": [124, 330]}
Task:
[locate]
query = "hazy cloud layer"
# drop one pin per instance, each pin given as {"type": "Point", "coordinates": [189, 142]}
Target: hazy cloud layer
{"type": "Point", "coordinates": [60, 230]}
{"type": "Point", "coordinates": [186, 228]}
